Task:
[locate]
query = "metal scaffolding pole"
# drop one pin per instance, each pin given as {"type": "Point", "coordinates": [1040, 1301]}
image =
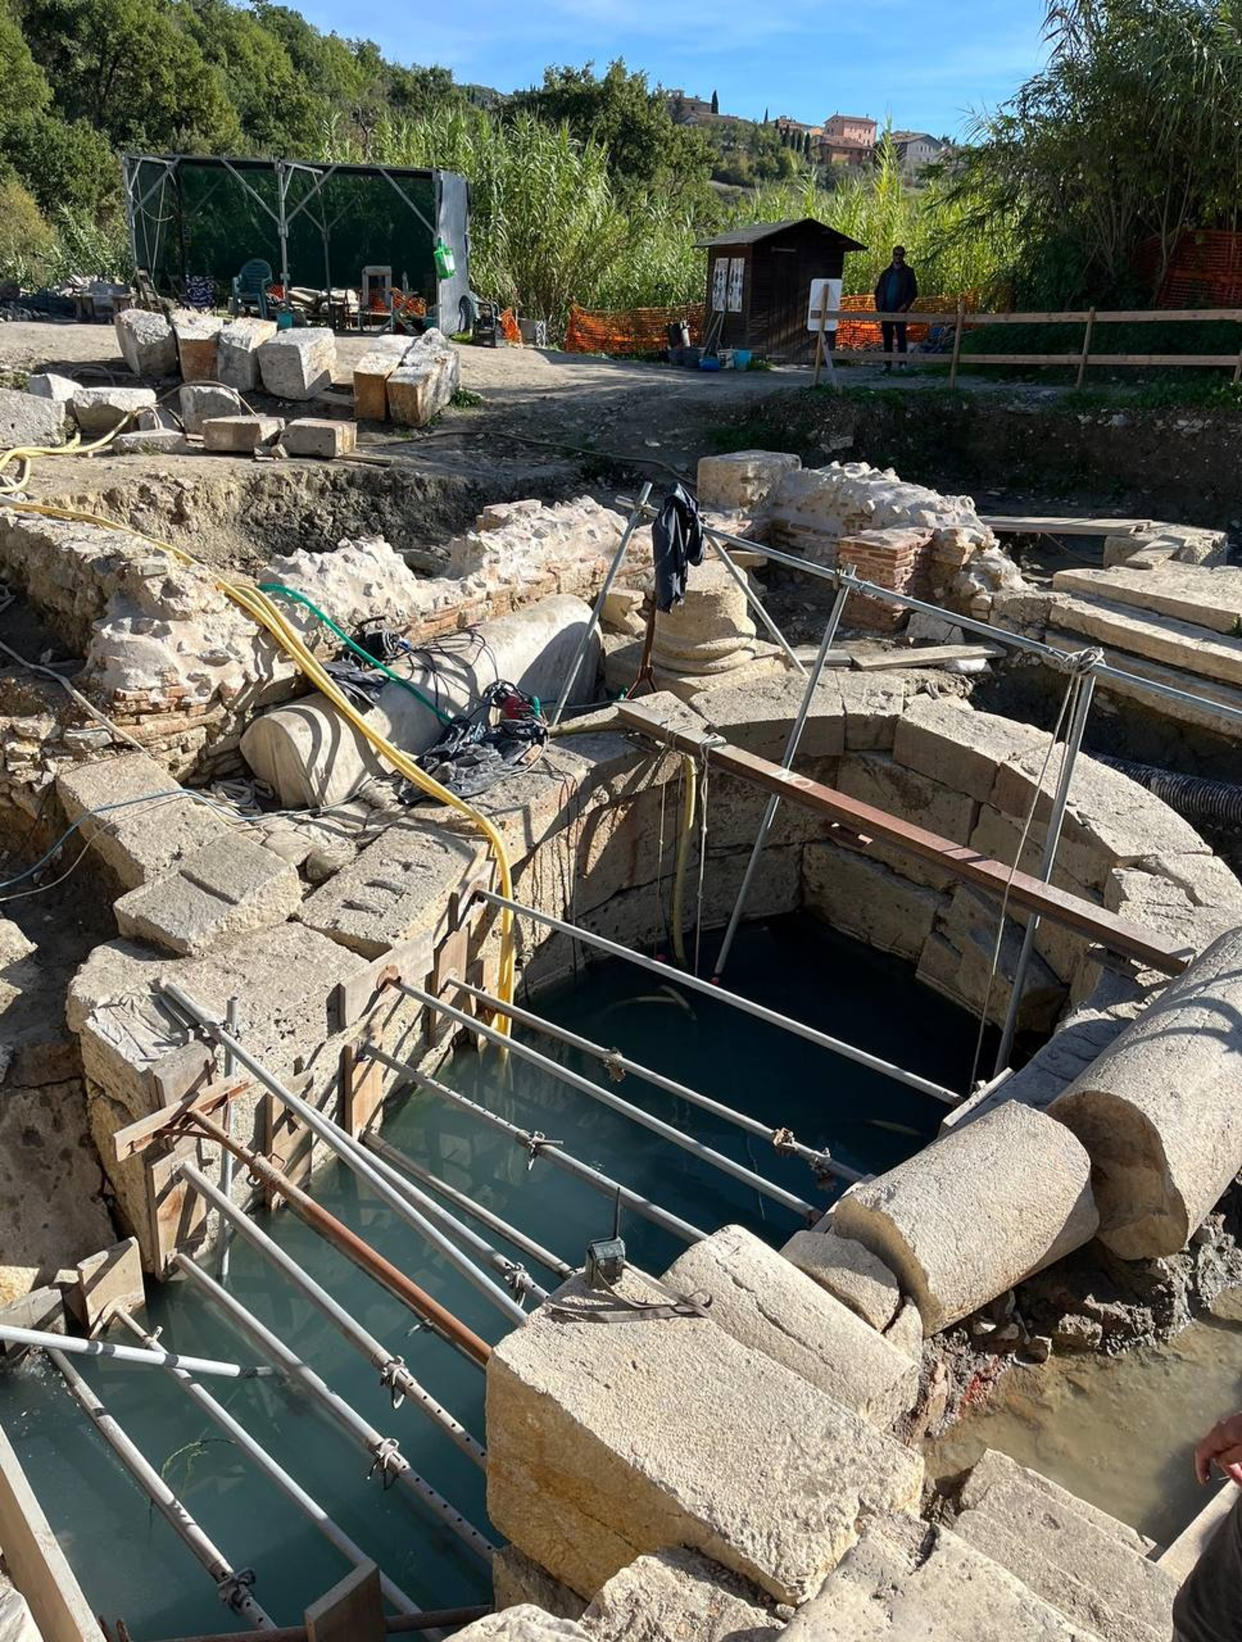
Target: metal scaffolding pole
{"type": "Point", "coordinates": [288, 1486]}
{"type": "Point", "coordinates": [597, 609]}
{"type": "Point", "coordinates": [386, 1457]}
{"type": "Point", "coordinates": [232, 1585]}
{"type": "Point", "coordinates": [615, 1062]}
{"type": "Point", "coordinates": [71, 1345]}
{"type": "Point", "coordinates": [232, 1019]}
{"type": "Point", "coordinates": [1052, 838]}
{"type": "Point", "coordinates": [356, 1249]}
{"type": "Point", "coordinates": [348, 1150]}
{"type": "Point", "coordinates": [791, 752]}
{"type": "Point", "coordinates": [537, 1145]}
{"type": "Point", "coordinates": [392, 1370]}
{"type": "Point", "coordinates": [574, 1080]}
{"type": "Point", "coordinates": [404, 1164]}
{"type": "Point", "coordinates": [680, 977]}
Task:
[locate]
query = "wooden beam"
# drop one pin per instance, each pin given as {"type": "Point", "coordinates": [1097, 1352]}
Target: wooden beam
{"type": "Point", "coordinates": [136, 1137]}
{"type": "Point", "coordinates": [1062, 524]}
{"type": "Point", "coordinates": [870, 824]}
{"type": "Point", "coordinates": [927, 655]}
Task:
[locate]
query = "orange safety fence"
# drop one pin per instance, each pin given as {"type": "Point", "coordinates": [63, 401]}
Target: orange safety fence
{"type": "Point", "coordinates": [628, 330]}
{"type": "Point", "coordinates": [860, 334]}
{"type": "Point", "coordinates": [1204, 270]}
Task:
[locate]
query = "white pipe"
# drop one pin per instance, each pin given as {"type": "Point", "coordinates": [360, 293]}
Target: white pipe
{"type": "Point", "coordinates": [71, 1345]}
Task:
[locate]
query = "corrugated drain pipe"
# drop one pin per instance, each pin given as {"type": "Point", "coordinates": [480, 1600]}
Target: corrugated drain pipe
{"type": "Point", "coordinates": [1192, 796]}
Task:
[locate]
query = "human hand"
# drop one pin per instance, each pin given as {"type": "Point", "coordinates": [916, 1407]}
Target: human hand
{"type": "Point", "coordinates": [1223, 1444]}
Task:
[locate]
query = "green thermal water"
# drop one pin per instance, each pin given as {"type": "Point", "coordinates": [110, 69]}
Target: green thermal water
{"type": "Point", "coordinates": [129, 1561]}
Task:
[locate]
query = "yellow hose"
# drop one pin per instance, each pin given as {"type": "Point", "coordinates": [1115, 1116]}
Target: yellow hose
{"type": "Point", "coordinates": [262, 610]}
{"type": "Point", "coordinates": [690, 791]}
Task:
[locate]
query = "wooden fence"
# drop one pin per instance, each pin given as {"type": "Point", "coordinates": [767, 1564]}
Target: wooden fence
{"type": "Point", "coordinates": [961, 320]}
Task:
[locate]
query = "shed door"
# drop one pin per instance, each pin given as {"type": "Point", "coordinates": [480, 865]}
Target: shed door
{"type": "Point", "coordinates": [787, 316]}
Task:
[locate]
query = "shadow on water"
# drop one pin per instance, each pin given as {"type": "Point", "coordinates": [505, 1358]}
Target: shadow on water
{"type": "Point", "coordinates": [129, 1561]}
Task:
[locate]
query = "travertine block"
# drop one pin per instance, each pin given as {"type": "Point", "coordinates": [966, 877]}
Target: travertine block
{"type": "Point", "coordinates": [238, 351]}
{"type": "Point", "coordinates": [147, 342]}
{"type": "Point", "coordinates": [297, 363]}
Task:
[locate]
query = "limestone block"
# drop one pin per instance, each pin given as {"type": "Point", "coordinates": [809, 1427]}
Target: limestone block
{"type": "Point", "coordinates": [150, 442]}
{"type": "Point", "coordinates": [30, 419]}
{"type": "Point", "coordinates": [847, 1270]}
{"type": "Point", "coordinates": [1159, 638]}
{"type": "Point", "coordinates": [371, 375]}
{"type": "Point", "coordinates": [906, 1331]}
{"type": "Point", "coordinates": [880, 781]}
{"type": "Point", "coordinates": [1001, 1481]}
{"type": "Point", "coordinates": [906, 1579]}
{"type": "Point", "coordinates": [222, 890]}
{"type": "Point", "coordinates": [743, 479]}
{"type": "Point", "coordinates": [522, 1624]}
{"type": "Point", "coordinates": [237, 351]}
{"type": "Point", "coordinates": [297, 363]}
{"type": "Point", "coordinates": [47, 385]}
{"type": "Point", "coordinates": [240, 434]}
{"type": "Point", "coordinates": [426, 379]}
{"type": "Point", "coordinates": [199, 401]}
{"type": "Point", "coordinates": [1082, 865]}
{"type": "Point", "coordinates": [317, 436]}
{"type": "Point", "coordinates": [1158, 1110]}
{"type": "Point", "coordinates": [517, 1580]}
{"type": "Point", "coordinates": [98, 410]}
{"type": "Point", "coordinates": [608, 1442]}
{"type": "Point", "coordinates": [868, 900]}
{"type": "Point", "coordinates": [197, 337]}
{"type": "Point", "coordinates": [678, 1596]}
{"type": "Point", "coordinates": [1192, 593]}
{"type": "Point", "coordinates": [147, 342]}
{"type": "Point", "coordinates": [758, 717]}
{"type": "Point", "coordinates": [1155, 901]}
{"type": "Point", "coordinates": [872, 705]}
{"type": "Point", "coordinates": [960, 959]}
{"type": "Point", "coordinates": [138, 840]}
{"type": "Point", "coordinates": [975, 1212]}
{"type": "Point", "coordinates": [959, 747]}
{"type": "Point", "coordinates": [768, 1305]}
{"type": "Point", "coordinates": [17, 1623]}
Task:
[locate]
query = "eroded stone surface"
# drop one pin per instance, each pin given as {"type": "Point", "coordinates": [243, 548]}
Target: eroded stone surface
{"type": "Point", "coordinates": [679, 1596]}
{"type": "Point", "coordinates": [223, 889]}
{"type": "Point", "coordinates": [238, 345]}
{"type": "Point", "coordinates": [136, 818]}
{"type": "Point", "coordinates": [147, 342]}
{"type": "Point", "coordinates": [29, 420]}
{"type": "Point", "coordinates": [297, 363]}
{"type": "Point", "coordinates": [425, 381]}
{"type": "Point", "coordinates": [848, 1270]}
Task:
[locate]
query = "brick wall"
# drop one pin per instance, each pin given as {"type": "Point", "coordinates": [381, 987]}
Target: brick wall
{"type": "Point", "coordinates": [896, 558]}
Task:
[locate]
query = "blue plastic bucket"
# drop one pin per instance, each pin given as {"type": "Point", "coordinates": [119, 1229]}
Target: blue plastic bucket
{"type": "Point", "coordinates": [741, 358]}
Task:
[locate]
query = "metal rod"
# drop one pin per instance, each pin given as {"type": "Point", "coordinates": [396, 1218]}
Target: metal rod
{"type": "Point", "coordinates": [386, 1457]}
{"type": "Point", "coordinates": [392, 1370]}
{"type": "Point", "coordinates": [288, 1486]}
{"type": "Point", "coordinates": [232, 1017]}
{"type": "Point", "coordinates": [403, 1162]}
{"type": "Point", "coordinates": [760, 1011]}
{"type": "Point", "coordinates": [1001, 635]}
{"type": "Point", "coordinates": [70, 1345]}
{"type": "Point", "coordinates": [353, 1155]}
{"type": "Point", "coordinates": [429, 1619]}
{"type": "Point", "coordinates": [791, 752]}
{"type": "Point", "coordinates": [597, 609]}
{"type": "Point", "coordinates": [538, 1145]}
{"type": "Point", "coordinates": [355, 1249]}
{"type": "Point", "coordinates": [232, 1586]}
{"type": "Point", "coordinates": [1052, 839]}
{"type": "Point", "coordinates": [781, 1138]}
{"type": "Point", "coordinates": [585, 1086]}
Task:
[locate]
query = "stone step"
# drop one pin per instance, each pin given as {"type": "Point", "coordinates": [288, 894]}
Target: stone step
{"type": "Point", "coordinates": [996, 1475]}
{"type": "Point", "coordinates": [1161, 638]}
{"type": "Point", "coordinates": [1088, 1565]}
{"type": "Point", "coordinates": [1188, 592]}
{"type": "Point", "coordinates": [1209, 691]}
{"type": "Point", "coordinates": [906, 1579]}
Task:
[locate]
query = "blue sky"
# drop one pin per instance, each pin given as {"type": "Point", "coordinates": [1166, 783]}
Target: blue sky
{"type": "Point", "coordinates": [927, 64]}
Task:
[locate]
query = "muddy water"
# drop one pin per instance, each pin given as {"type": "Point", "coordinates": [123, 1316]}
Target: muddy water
{"type": "Point", "coordinates": [1116, 1431]}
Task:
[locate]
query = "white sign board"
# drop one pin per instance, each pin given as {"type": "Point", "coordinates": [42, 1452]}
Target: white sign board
{"type": "Point", "coordinates": [737, 274]}
{"type": "Point", "coordinates": [720, 283]}
{"type": "Point", "coordinates": [832, 287]}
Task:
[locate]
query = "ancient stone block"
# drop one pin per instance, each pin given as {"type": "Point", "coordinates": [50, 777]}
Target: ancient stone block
{"type": "Point", "coordinates": [221, 890]}
{"type": "Point", "coordinates": [150, 442]}
{"type": "Point", "coordinates": [872, 707]}
{"type": "Point", "coordinates": [1203, 597]}
{"type": "Point", "coordinates": [316, 436]}
{"type": "Point", "coordinates": [517, 1580]}
{"type": "Point", "coordinates": [238, 344]}
{"type": "Point", "coordinates": [758, 717]}
{"type": "Point", "coordinates": [768, 1305]}
{"type": "Point", "coordinates": [47, 385]}
{"type": "Point", "coordinates": [849, 1271]}
{"type": "Point", "coordinates": [959, 747]}
{"type": "Point", "coordinates": [199, 401]}
{"type": "Point", "coordinates": [522, 1624]}
{"type": "Point", "coordinates": [197, 337]}
{"type": "Point", "coordinates": [425, 381]}
{"type": "Point", "coordinates": [677, 1595]}
{"type": "Point", "coordinates": [98, 410]}
{"type": "Point", "coordinates": [139, 832]}
{"type": "Point", "coordinates": [296, 364]}
{"type": "Point", "coordinates": [604, 1443]}
{"type": "Point", "coordinates": [868, 900]}
{"type": "Point", "coordinates": [240, 434]}
{"type": "Point", "coordinates": [147, 342]}
{"type": "Point", "coordinates": [743, 479]}
{"type": "Point", "coordinates": [371, 375]}
{"type": "Point", "coordinates": [1158, 1110]}
{"type": "Point", "coordinates": [975, 1212]}
{"type": "Point", "coordinates": [30, 419]}
{"type": "Point", "coordinates": [1160, 638]}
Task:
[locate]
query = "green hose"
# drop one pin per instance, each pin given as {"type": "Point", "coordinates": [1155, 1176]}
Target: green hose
{"type": "Point", "coordinates": [281, 591]}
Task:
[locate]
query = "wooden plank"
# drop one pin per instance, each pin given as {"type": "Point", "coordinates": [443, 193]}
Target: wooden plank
{"type": "Point", "coordinates": [35, 1562]}
{"type": "Point", "coordinates": [287, 1143]}
{"type": "Point", "coordinates": [927, 655]}
{"type": "Point", "coordinates": [136, 1137]}
{"type": "Point", "coordinates": [178, 1216]}
{"type": "Point", "coordinates": [1062, 524]}
{"type": "Point", "coordinates": [352, 1611]}
{"type": "Point", "coordinates": [362, 1082]}
{"type": "Point", "coordinates": [356, 997]}
{"type": "Point", "coordinates": [1073, 316]}
{"type": "Point", "coordinates": [870, 824]}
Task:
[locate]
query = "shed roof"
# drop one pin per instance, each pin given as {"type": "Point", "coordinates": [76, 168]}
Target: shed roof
{"type": "Point", "coordinates": [759, 231]}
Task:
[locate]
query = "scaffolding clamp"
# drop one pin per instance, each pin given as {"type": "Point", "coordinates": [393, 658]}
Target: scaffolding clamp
{"type": "Point", "coordinates": [390, 1378]}
{"type": "Point", "coordinates": [388, 1461]}
{"type": "Point", "coordinates": [234, 1590]}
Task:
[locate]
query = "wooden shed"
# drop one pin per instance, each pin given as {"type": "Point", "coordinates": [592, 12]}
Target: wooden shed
{"type": "Point", "coordinates": [759, 279]}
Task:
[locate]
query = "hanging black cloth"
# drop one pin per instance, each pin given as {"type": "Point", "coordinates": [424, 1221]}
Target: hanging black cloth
{"type": "Point", "coordinates": [676, 543]}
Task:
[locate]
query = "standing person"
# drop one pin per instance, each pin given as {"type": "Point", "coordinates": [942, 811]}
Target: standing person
{"type": "Point", "coordinates": [1208, 1607]}
{"type": "Point", "coordinates": [895, 291]}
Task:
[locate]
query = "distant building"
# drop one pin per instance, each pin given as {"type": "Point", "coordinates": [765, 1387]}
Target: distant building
{"type": "Point", "coordinates": [917, 149]}
{"type": "Point", "coordinates": [846, 139]}
{"type": "Point", "coordinates": [687, 110]}
{"type": "Point", "coordinates": [795, 128]}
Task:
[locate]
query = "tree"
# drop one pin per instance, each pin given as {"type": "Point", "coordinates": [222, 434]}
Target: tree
{"type": "Point", "coordinates": [765, 116]}
{"type": "Point", "coordinates": [715, 103]}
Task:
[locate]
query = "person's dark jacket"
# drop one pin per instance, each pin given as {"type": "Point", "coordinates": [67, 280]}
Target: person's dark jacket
{"type": "Point", "coordinates": [907, 288]}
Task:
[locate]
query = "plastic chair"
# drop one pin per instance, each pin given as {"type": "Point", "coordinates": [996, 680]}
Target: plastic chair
{"type": "Point", "coordinates": [250, 287]}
